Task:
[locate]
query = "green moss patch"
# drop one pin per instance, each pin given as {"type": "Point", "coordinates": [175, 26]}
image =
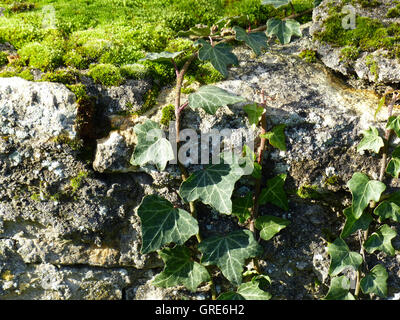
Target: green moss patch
{"type": "Point", "coordinates": [168, 114]}
{"type": "Point", "coordinates": [106, 74]}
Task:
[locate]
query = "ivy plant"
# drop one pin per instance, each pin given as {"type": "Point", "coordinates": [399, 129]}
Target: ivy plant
{"type": "Point", "coordinates": [369, 217]}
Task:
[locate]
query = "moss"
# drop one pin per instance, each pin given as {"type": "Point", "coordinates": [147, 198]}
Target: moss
{"type": "Point", "coordinates": [3, 58]}
{"type": "Point", "coordinates": [26, 74]}
{"type": "Point", "coordinates": [106, 74]}
{"type": "Point", "coordinates": [393, 12]}
{"type": "Point", "coordinates": [75, 59]}
{"type": "Point", "coordinates": [308, 55]}
{"type": "Point", "coordinates": [60, 76]}
{"type": "Point", "coordinates": [22, 6]}
{"type": "Point", "coordinates": [7, 275]}
{"type": "Point", "coordinates": [373, 66]}
{"type": "Point", "coordinates": [35, 197]}
{"type": "Point", "coordinates": [78, 89]}
{"type": "Point", "coordinates": [76, 182]}
{"type": "Point", "coordinates": [168, 114]}
{"type": "Point", "coordinates": [332, 180]}
{"type": "Point", "coordinates": [135, 71]}
{"type": "Point", "coordinates": [188, 90]}
{"type": "Point", "coordinates": [368, 3]}
{"type": "Point", "coordinates": [41, 56]}
{"type": "Point", "coordinates": [150, 100]}
{"type": "Point", "coordinates": [309, 192]}
{"type": "Point", "coordinates": [349, 53]}
{"type": "Point", "coordinates": [74, 144]}
{"type": "Point", "coordinates": [205, 73]}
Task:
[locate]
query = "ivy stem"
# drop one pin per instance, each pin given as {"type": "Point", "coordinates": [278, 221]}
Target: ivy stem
{"type": "Point", "coordinates": [178, 110]}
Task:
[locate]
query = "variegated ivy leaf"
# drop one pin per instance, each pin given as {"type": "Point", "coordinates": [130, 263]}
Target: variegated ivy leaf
{"type": "Point", "coordinates": [246, 291]}
{"type": "Point", "coordinates": [270, 226]}
{"type": "Point", "coordinates": [241, 207]}
{"type": "Point", "coordinates": [151, 147]}
{"type": "Point", "coordinates": [256, 40]}
{"type": "Point", "coordinates": [375, 281]}
{"type": "Point", "coordinates": [210, 98]}
{"type": "Point", "coordinates": [230, 252]}
{"type": "Point", "coordinates": [342, 258]}
{"type": "Point", "coordinates": [352, 224]}
{"type": "Point", "coordinates": [254, 113]}
{"type": "Point", "coordinates": [388, 210]}
{"type": "Point", "coordinates": [274, 192]}
{"type": "Point", "coordinates": [363, 191]}
{"type": "Point", "coordinates": [393, 167]}
{"type": "Point", "coordinates": [276, 137]}
{"type": "Point", "coordinates": [163, 224]}
{"type": "Point", "coordinates": [180, 269]}
{"type": "Point", "coordinates": [275, 3]}
{"type": "Point", "coordinates": [371, 141]}
{"type": "Point", "coordinates": [164, 56]}
{"type": "Point", "coordinates": [283, 29]}
{"type": "Point", "coordinates": [394, 124]}
{"type": "Point", "coordinates": [220, 56]}
{"type": "Point", "coordinates": [381, 240]}
{"type": "Point", "coordinates": [339, 289]}
{"type": "Point", "coordinates": [214, 184]}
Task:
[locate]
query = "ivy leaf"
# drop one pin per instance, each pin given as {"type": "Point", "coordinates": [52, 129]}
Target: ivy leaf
{"type": "Point", "coordinates": [388, 210]}
{"type": "Point", "coordinates": [339, 289]}
{"type": "Point", "coordinates": [230, 252]}
{"type": "Point", "coordinates": [363, 191]}
{"type": "Point", "coordinates": [151, 147]}
{"type": "Point", "coordinates": [231, 295]}
{"type": "Point", "coordinates": [375, 281]}
{"type": "Point", "coordinates": [219, 55]}
{"type": "Point", "coordinates": [254, 113]}
{"type": "Point", "coordinates": [213, 185]}
{"type": "Point", "coordinates": [393, 167]}
{"type": "Point", "coordinates": [164, 56]}
{"type": "Point", "coordinates": [257, 172]}
{"type": "Point", "coordinates": [275, 3]}
{"type": "Point", "coordinates": [256, 41]}
{"type": "Point", "coordinates": [352, 224]}
{"type": "Point", "coordinates": [163, 224]}
{"type": "Point", "coordinates": [381, 103]}
{"type": "Point", "coordinates": [199, 31]}
{"type": "Point", "coordinates": [241, 207]}
{"type": "Point", "coordinates": [381, 240]}
{"type": "Point", "coordinates": [270, 226]}
{"type": "Point", "coordinates": [274, 193]}
{"type": "Point", "coordinates": [210, 98]}
{"type": "Point", "coordinates": [246, 291]}
{"type": "Point", "coordinates": [180, 269]}
{"type": "Point", "coordinates": [283, 29]}
{"type": "Point", "coordinates": [394, 124]}
{"type": "Point", "coordinates": [371, 141]}
{"type": "Point", "coordinates": [276, 137]}
{"type": "Point", "coordinates": [342, 258]}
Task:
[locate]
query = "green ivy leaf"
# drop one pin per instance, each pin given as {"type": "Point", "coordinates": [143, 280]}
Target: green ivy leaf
{"type": "Point", "coordinates": [256, 40]}
{"type": "Point", "coordinates": [352, 224]}
{"type": "Point", "coordinates": [381, 103]}
{"type": "Point", "coordinates": [388, 210]}
{"type": "Point", "coordinates": [230, 295]}
{"type": "Point", "coordinates": [202, 31]}
{"type": "Point", "coordinates": [241, 207]}
{"type": "Point", "coordinates": [151, 146]}
{"type": "Point", "coordinates": [276, 137]}
{"type": "Point", "coordinates": [394, 124]}
{"type": "Point", "coordinates": [257, 172]}
{"type": "Point", "coordinates": [342, 257]}
{"type": "Point", "coordinates": [274, 193]}
{"type": "Point", "coordinates": [381, 240]}
{"type": "Point", "coordinates": [339, 289]}
{"type": "Point", "coordinates": [164, 56]}
{"type": "Point", "coordinates": [283, 29]}
{"type": "Point", "coordinates": [363, 191]}
{"type": "Point", "coordinates": [270, 226]}
{"type": "Point", "coordinates": [371, 141]}
{"type": "Point", "coordinates": [210, 98]}
{"type": "Point", "coordinates": [219, 55]}
{"type": "Point", "coordinates": [393, 167]}
{"type": "Point", "coordinates": [375, 281]}
{"type": "Point", "coordinates": [275, 3]}
{"type": "Point", "coordinates": [213, 185]}
{"type": "Point", "coordinates": [163, 224]}
{"type": "Point", "coordinates": [251, 291]}
{"type": "Point", "coordinates": [230, 252]}
{"type": "Point", "coordinates": [254, 113]}
{"type": "Point", "coordinates": [180, 269]}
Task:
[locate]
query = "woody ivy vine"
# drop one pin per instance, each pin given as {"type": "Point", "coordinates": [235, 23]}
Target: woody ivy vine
{"type": "Point", "coordinates": [168, 230]}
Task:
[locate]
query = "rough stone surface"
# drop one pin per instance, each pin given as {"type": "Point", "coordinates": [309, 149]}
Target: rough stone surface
{"type": "Point", "coordinates": [386, 70]}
